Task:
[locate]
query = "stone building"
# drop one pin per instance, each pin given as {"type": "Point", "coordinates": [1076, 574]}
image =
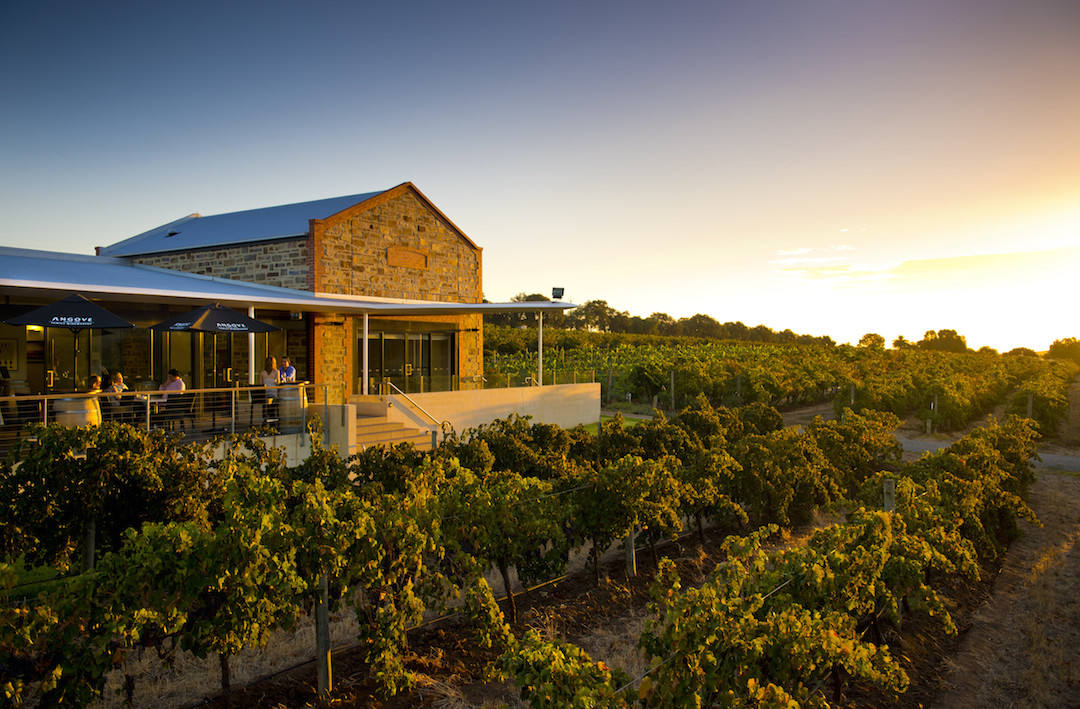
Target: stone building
{"type": "Point", "coordinates": [394, 247]}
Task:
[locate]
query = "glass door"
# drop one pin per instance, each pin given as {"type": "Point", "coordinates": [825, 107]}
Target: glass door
{"type": "Point", "coordinates": [375, 364]}
{"type": "Point", "coordinates": [178, 355]}
{"type": "Point", "coordinates": [67, 360]}
{"type": "Point", "coordinates": [441, 354]}
{"type": "Point", "coordinates": [394, 359]}
{"type": "Point", "coordinates": [415, 360]}
{"type": "Point", "coordinates": [36, 361]}
{"type": "Point", "coordinates": [221, 372]}
{"type": "Point", "coordinates": [415, 371]}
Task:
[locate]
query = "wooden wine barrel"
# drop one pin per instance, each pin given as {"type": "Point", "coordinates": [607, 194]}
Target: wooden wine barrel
{"type": "Point", "coordinates": [74, 412]}
{"type": "Point", "coordinates": [291, 405]}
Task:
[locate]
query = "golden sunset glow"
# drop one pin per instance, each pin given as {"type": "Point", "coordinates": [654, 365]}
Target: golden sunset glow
{"type": "Point", "coordinates": [830, 168]}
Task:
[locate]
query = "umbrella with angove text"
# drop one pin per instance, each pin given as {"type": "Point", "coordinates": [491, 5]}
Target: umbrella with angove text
{"type": "Point", "coordinates": [214, 319]}
{"type": "Point", "coordinates": [74, 313]}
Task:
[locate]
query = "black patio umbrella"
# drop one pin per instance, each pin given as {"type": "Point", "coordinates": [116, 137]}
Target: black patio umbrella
{"type": "Point", "coordinates": [75, 313]}
{"type": "Point", "coordinates": [214, 319]}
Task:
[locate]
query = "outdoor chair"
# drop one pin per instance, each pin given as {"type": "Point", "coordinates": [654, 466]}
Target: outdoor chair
{"type": "Point", "coordinates": [111, 408]}
{"type": "Point", "coordinates": [174, 411]}
{"type": "Point", "coordinates": [27, 411]}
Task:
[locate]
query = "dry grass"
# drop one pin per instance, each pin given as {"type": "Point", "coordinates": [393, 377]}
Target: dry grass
{"type": "Point", "coordinates": [1021, 650]}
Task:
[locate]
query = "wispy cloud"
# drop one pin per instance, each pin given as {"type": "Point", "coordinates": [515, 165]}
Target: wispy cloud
{"type": "Point", "coordinates": [797, 260]}
{"type": "Point", "coordinates": [952, 273]}
{"type": "Point", "coordinates": [810, 255]}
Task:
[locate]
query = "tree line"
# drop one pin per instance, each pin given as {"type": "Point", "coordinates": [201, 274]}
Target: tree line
{"type": "Point", "coordinates": [598, 316]}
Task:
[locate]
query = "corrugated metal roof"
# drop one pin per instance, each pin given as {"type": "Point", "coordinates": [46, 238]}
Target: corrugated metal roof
{"type": "Point", "coordinates": [52, 274]}
{"type": "Point", "coordinates": [196, 232]}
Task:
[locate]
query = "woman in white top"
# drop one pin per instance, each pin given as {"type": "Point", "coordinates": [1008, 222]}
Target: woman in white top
{"type": "Point", "coordinates": [271, 377]}
{"type": "Point", "coordinates": [270, 374]}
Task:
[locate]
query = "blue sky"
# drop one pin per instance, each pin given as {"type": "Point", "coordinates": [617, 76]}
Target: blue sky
{"type": "Point", "coordinates": [787, 163]}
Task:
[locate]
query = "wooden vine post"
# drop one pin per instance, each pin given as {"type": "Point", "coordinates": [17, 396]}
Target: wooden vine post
{"type": "Point", "coordinates": [631, 555]}
{"type": "Point", "coordinates": [324, 673]}
{"type": "Point", "coordinates": [888, 491]}
{"type": "Point", "coordinates": [89, 542]}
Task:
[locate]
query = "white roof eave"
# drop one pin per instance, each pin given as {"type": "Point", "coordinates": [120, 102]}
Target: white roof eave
{"type": "Point", "coordinates": [51, 274]}
{"type": "Point", "coordinates": [274, 301]}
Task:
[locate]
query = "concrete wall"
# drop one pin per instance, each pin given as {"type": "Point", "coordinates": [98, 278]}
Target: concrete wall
{"type": "Point", "coordinates": [297, 447]}
{"type": "Point", "coordinates": [565, 405]}
{"type": "Point", "coordinates": [338, 426]}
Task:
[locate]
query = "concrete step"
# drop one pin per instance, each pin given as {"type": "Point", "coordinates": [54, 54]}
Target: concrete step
{"type": "Point", "coordinates": [367, 427]}
{"type": "Point", "coordinates": [377, 431]}
{"type": "Point", "coordinates": [421, 440]}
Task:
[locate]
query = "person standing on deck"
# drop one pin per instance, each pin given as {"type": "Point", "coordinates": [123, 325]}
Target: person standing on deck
{"type": "Point", "coordinates": [288, 371]}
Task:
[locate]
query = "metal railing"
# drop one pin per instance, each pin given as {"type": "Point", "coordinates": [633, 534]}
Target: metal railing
{"type": "Point", "coordinates": [443, 426]}
{"type": "Point", "coordinates": [516, 378]}
{"type": "Point", "coordinates": [198, 413]}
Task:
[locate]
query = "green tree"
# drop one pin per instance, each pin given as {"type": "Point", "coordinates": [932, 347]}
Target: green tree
{"type": "Point", "coordinates": [943, 341]}
{"type": "Point", "coordinates": [872, 340]}
{"type": "Point", "coordinates": [595, 315]}
{"type": "Point", "coordinates": [1066, 348]}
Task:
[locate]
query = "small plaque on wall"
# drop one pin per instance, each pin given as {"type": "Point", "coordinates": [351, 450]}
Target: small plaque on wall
{"type": "Point", "coordinates": [406, 257]}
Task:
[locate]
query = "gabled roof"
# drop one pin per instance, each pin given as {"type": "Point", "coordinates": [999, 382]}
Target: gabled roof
{"type": "Point", "coordinates": [197, 232]}
{"type": "Point", "coordinates": [281, 222]}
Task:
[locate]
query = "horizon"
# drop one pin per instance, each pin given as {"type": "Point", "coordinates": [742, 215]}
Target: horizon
{"type": "Point", "coordinates": [889, 341]}
{"type": "Point", "coordinates": [834, 170]}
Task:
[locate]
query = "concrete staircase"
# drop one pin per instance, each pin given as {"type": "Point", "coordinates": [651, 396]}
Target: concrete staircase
{"type": "Point", "coordinates": [377, 431]}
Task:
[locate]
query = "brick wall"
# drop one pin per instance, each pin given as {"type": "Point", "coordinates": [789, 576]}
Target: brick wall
{"type": "Point", "coordinates": [281, 263]}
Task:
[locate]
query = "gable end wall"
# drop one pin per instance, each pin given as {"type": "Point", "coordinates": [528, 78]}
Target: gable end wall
{"type": "Point", "coordinates": [396, 249]}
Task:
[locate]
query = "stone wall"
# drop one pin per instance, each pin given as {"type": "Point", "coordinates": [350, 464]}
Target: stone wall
{"type": "Point", "coordinates": [331, 356]}
{"type": "Point", "coordinates": [282, 263]}
{"type": "Point", "coordinates": [399, 247]}
{"type": "Point", "coordinates": [394, 246]}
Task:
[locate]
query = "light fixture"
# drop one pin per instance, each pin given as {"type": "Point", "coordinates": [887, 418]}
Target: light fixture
{"type": "Point", "coordinates": [557, 293]}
